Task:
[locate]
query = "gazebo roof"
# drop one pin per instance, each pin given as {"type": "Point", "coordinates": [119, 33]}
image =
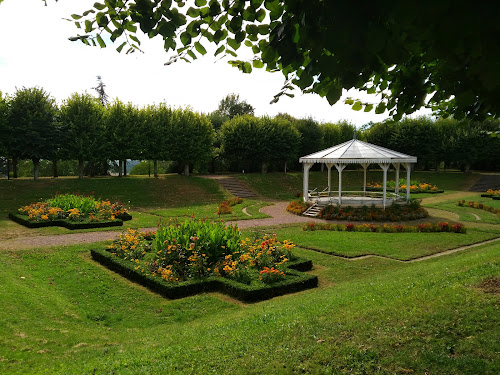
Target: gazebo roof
{"type": "Point", "coordinates": [357, 152]}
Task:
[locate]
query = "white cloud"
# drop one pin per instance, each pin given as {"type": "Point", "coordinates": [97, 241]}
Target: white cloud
{"type": "Point", "coordinates": [35, 51]}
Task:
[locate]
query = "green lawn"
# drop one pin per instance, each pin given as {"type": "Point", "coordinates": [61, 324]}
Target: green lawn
{"type": "Point", "coordinates": [63, 313]}
{"type": "Point", "coordinates": [209, 211]}
{"type": "Point", "coordinates": [466, 213]}
{"type": "Point", "coordinates": [401, 246]}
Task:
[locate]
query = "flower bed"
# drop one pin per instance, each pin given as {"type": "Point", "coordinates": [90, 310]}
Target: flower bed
{"type": "Point", "coordinates": [297, 207]}
{"type": "Point", "coordinates": [196, 255]}
{"type": "Point", "coordinates": [415, 186]}
{"type": "Point", "coordinates": [479, 206]}
{"type": "Point", "coordinates": [495, 194]}
{"type": "Point", "coordinates": [411, 211]}
{"type": "Point", "coordinates": [393, 228]}
{"type": "Point", "coordinates": [72, 211]}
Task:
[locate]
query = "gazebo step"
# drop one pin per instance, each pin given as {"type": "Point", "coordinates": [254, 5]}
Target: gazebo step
{"type": "Point", "coordinates": [313, 211]}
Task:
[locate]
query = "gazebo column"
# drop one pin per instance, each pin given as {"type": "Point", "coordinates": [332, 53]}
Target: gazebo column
{"type": "Point", "coordinates": [364, 165]}
{"type": "Point", "coordinates": [340, 168]}
{"type": "Point", "coordinates": [396, 167]}
{"type": "Point", "coordinates": [329, 166]}
{"type": "Point", "coordinates": [408, 171]}
{"type": "Point", "coordinates": [305, 193]}
{"type": "Point", "coordinates": [385, 168]}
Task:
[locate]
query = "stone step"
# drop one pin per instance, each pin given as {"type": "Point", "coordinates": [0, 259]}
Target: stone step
{"type": "Point", "coordinates": [237, 187]}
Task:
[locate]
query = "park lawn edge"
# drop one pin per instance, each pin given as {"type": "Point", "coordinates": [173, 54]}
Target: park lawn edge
{"type": "Point", "coordinates": [23, 220]}
{"type": "Point", "coordinates": [243, 292]}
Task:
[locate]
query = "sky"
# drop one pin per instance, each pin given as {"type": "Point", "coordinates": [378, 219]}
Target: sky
{"type": "Point", "coordinates": [35, 51]}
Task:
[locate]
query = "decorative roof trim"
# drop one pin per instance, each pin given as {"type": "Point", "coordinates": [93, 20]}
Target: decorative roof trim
{"type": "Point", "coordinates": [359, 161]}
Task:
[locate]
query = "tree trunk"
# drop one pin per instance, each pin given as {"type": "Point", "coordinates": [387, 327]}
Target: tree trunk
{"type": "Point", "coordinates": [54, 168]}
{"type": "Point", "coordinates": [124, 167]}
{"type": "Point", "coordinates": [264, 167]}
{"type": "Point", "coordinates": [155, 167]}
{"type": "Point", "coordinates": [14, 167]}
{"type": "Point", "coordinates": [438, 167]}
{"type": "Point", "coordinates": [467, 168]}
{"type": "Point", "coordinates": [186, 169]}
{"type": "Point", "coordinates": [286, 165]}
{"type": "Point", "coordinates": [120, 168]}
{"type": "Point", "coordinates": [80, 168]}
{"type": "Point", "coordinates": [36, 165]}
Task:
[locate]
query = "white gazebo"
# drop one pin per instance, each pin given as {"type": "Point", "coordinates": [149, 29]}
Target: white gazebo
{"type": "Point", "coordinates": [356, 152]}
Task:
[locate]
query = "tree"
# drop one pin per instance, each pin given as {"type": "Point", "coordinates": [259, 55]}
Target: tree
{"type": "Point", "coordinates": [412, 53]}
{"type": "Point", "coordinates": [101, 92]}
{"type": "Point", "coordinates": [190, 139]}
{"type": "Point", "coordinates": [281, 140]}
{"type": "Point", "coordinates": [31, 132]}
{"type": "Point", "coordinates": [4, 112]}
{"type": "Point", "coordinates": [122, 126]}
{"type": "Point", "coordinates": [231, 106]}
{"type": "Point", "coordinates": [83, 129]}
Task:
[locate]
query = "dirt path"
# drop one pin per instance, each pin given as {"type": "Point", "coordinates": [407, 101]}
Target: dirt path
{"type": "Point", "coordinates": [277, 211]}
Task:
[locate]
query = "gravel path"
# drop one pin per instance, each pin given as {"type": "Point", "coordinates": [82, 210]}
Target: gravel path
{"type": "Point", "coordinates": [277, 211]}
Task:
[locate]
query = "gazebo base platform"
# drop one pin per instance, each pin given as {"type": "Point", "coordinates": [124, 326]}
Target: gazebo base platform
{"type": "Point", "coordinates": [356, 201]}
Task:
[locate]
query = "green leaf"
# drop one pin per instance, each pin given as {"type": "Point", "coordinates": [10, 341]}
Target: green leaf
{"type": "Point", "coordinates": [120, 47]}
{"type": "Point", "coordinates": [260, 15]}
{"type": "Point", "coordinates": [380, 108]}
{"type": "Point", "coordinates": [200, 3]}
{"type": "Point", "coordinates": [191, 54]}
{"type": "Point", "coordinates": [200, 48]}
{"type": "Point", "coordinates": [99, 6]}
{"type": "Point", "coordinates": [185, 38]}
{"type": "Point", "coordinates": [349, 101]}
{"type": "Point", "coordinates": [76, 16]}
{"type": "Point", "coordinates": [233, 43]}
{"type": "Point", "coordinates": [263, 29]}
{"type": "Point", "coordinates": [219, 50]}
{"type": "Point", "coordinates": [246, 68]}
{"type": "Point", "coordinates": [240, 36]}
{"type": "Point", "coordinates": [134, 38]}
{"type": "Point", "coordinates": [357, 106]}
{"type": "Point", "coordinates": [193, 13]}
{"type": "Point", "coordinates": [88, 26]}
{"type": "Point", "coordinates": [368, 107]}
{"type": "Point", "coordinates": [257, 64]}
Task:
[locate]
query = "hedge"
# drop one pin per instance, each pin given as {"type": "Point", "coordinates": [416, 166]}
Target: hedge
{"type": "Point", "coordinates": [23, 220]}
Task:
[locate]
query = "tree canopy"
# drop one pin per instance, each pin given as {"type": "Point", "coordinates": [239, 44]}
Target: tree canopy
{"type": "Point", "coordinates": [444, 55]}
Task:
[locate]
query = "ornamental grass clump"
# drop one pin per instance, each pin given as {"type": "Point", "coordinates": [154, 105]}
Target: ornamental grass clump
{"type": "Point", "coordinates": [197, 249]}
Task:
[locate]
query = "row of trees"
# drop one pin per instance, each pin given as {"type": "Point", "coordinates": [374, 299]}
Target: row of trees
{"type": "Point", "coordinates": [85, 129]}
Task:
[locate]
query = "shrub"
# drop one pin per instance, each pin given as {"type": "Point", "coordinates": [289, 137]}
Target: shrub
{"type": "Point", "coordinates": [387, 228]}
{"type": "Point", "coordinates": [224, 209]}
{"type": "Point", "coordinates": [297, 207]}
{"type": "Point", "coordinates": [410, 211]}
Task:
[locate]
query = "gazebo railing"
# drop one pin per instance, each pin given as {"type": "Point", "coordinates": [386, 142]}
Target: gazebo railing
{"type": "Point", "coordinates": [357, 196]}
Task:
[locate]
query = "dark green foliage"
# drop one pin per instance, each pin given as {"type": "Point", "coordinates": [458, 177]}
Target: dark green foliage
{"type": "Point", "coordinates": [66, 223]}
{"type": "Point", "coordinates": [83, 129]}
{"type": "Point", "coordinates": [32, 131]}
{"type": "Point", "coordinates": [232, 106]}
{"type": "Point", "coordinates": [411, 53]}
{"type": "Point", "coordinates": [4, 112]}
{"type": "Point", "coordinates": [247, 293]}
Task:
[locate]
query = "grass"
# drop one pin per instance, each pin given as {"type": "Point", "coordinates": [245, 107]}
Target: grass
{"type": "Point", "coordinates": [209, 211]}
{"type": "Point", "coordinates": [62, 313]}
{"type": "Point", "coordinates": [287, 186]}
{"type": "Point", "coordinates": [466, 213]}
{"type": "Point", "coordinates": [402, 246]}
{"type": "Point", "coordinates": [370, 316]}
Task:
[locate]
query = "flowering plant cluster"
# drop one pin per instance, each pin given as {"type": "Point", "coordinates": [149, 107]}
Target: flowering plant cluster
{"type": "Point", "coordinates": [74, 207]}
{"type": "Point", "coordinates": [271, 275]}
{"type": "Point", "coordinates": [411, 211]}
{"type": "Point", "coordinates": [297, 207]}
{"type": "Point", "coordinates": [479, 206]}
{"type": "Point", "coordinates": [387, 228]}
{"type": "Point", "coordinates": [197, 249]}
{"type": "Point", "coordinates": [415, 186]}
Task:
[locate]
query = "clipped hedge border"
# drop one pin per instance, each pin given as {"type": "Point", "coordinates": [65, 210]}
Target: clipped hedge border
{"type": "Point", "coordinates": [404, 191]}
{"type": "Point", "coordinates": [23, 220]}
{"type": "Point", "coordinates": [243, 292]}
